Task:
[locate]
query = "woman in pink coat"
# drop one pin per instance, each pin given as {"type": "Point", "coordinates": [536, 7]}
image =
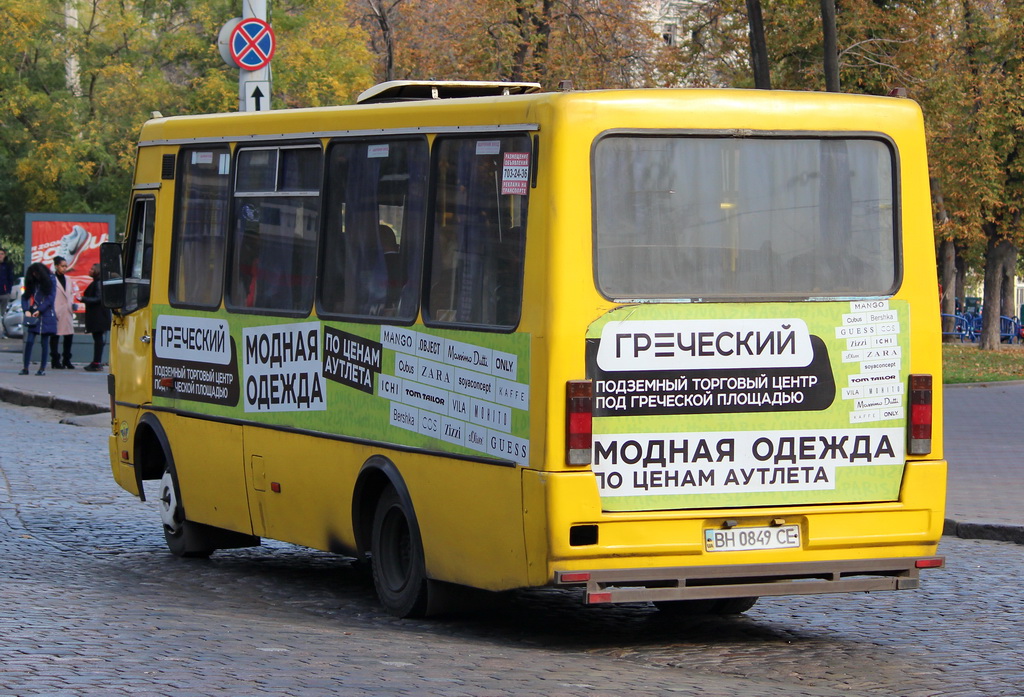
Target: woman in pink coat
{"type": "Point", "coordinates": [64, 306]}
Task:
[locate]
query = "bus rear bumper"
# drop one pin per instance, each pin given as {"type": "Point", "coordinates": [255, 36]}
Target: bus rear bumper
{"type": "Point", "coordinates": [747, 580]}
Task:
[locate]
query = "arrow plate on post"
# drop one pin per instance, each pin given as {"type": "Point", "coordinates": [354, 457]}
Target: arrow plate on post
{"type": "Point", "coordinates": [257, 95]}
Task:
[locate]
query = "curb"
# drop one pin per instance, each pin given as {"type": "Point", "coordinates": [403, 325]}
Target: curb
{"type": "Point", "coordinates": [984, 531]}
{"type": "Point", "coordinates": [995, 383]}
{"type": "Point", "coordinates": [46, 401]}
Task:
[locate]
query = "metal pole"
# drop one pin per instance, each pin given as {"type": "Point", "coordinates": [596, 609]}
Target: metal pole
{"type": "Point", "coordinates": [249, 80]}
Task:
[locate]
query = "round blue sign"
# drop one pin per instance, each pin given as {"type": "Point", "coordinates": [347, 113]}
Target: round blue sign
{"type": "Point", "coordinates": [252, 44]}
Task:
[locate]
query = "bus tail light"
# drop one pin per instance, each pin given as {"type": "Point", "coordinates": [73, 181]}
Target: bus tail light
{"type": "Point", "coordinates": [578, 418]}
{"type": "Point", "coordinates": [573, 576]}
{"type": "Point", "coordinates": [920, 435]}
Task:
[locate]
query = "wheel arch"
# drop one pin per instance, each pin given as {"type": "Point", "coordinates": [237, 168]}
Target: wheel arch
{"type": "Point", "coordinates": [376, 475]}
{"type": "Point", "coordinates": [152, 448]}
{"type": "Point", "coordinates": [151, 451]}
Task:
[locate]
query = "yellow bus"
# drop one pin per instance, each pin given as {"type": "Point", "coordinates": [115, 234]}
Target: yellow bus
{"type": "Point", "coordinates": [670, 346]}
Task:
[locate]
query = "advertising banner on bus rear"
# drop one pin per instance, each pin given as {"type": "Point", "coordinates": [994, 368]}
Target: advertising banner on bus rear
{"type": "Point", "coordinates": [710, 405]}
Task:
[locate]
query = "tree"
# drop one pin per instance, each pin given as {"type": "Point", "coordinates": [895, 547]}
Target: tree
{"type": "Point", "coordinates": [830, 53]}
{"type": "Point", "coordinates": [593, 43]}
{"type": "Point", "coordinates": [322, 59]}
{"type": "Point", "coordinates": [758, 46]}
{"type": "Point", "coordinates": [976, 146]}
{"type": "Point", "coordinates": [78, 79]}
{"type": "Point", "coordinates": [381, 14]}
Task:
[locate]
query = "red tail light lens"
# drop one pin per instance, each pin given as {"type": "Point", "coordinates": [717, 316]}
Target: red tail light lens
{"type": "Point", "coordinates": [920, 435]}
{"type": "Point", "coordinates": [579, 419]}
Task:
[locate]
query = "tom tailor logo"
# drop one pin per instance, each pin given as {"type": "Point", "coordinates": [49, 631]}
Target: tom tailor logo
{"type": "Point", "coordinates": [701, 344]}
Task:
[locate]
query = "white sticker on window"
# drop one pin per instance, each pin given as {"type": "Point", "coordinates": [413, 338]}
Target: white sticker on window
{"type": "Point", "coordinates": [515, 173]}
{"type": "Point", "coordinates": [488, 147]}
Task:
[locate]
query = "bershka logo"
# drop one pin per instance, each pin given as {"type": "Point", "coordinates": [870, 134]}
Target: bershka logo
{"type": "Point", "coordinates": [650, 345]}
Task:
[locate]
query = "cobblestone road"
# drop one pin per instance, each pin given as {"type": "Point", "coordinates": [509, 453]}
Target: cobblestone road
{"type": "Point", "coordinates": [92, 604]}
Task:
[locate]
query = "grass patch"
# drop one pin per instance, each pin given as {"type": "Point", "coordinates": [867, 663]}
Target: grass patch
{"type": "Point", "coordinates": [965, 363]}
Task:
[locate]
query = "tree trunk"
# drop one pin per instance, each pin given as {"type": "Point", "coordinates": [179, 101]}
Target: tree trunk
{"type": "Point", "coordinates": [758, 46]}
{"type": "Point", "coordinates": [72, 71]}
{"type": "Point", "coordinates": [947, 277]}
{"type": "Point", "coordinates": [996, 255]}
{"type": "Point", "coordinates": [961, 278]}
{"type": "Point", "coordinates": [1009, 273]}
{"type": "Point", "coordinates": [947, 265]}
{"type": "Point", "coordinates": [381, 15]}
{"type": "Point", "coordinates": [831, 50]}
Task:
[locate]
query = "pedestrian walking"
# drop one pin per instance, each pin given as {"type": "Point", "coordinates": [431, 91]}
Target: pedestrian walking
{"type": "Point", "coordinates": [6, 281]}
{"type": "Point", "coordinates": [64, 306]}
{"type": "Point", "coordinates": [97, 318]}
{"type": "Point", "coordinates": [40, 319]}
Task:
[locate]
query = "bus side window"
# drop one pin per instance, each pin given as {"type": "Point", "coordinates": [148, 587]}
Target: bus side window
{"type": "Point", "coordinates": [201, 227]}
{"type": "Point", "coordinates": [476, 268]}
{"type": "Point", "coordinates": [139, 254]}
{"type": "Point", "coordinates": [373, 232]}
{"type": "Point", "coordinates": [277, 220]}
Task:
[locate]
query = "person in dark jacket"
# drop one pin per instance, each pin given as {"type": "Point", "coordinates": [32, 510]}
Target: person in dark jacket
{"type": "Point", "coordinates": [37, 301]}
{"type": "Point", "coordinates": [97, 318]}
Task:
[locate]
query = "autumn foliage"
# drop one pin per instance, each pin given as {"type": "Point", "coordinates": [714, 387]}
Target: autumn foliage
{"type": "Point", "coordinates": [77, 80]}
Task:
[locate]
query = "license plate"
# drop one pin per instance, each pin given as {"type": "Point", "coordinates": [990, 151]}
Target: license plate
{"type": "Point", "coordinates": [740, 539]}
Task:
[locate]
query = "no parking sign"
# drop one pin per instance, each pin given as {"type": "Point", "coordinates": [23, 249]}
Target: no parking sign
{"type": "Point", "coordinates": [252, 44]}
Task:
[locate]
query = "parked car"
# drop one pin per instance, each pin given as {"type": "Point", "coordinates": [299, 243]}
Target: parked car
{"type": "Point", "coordinates": [12, 319]}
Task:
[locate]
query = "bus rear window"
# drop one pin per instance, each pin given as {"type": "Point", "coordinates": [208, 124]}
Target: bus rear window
{"type": "Point", "coordinates": [690, 218]}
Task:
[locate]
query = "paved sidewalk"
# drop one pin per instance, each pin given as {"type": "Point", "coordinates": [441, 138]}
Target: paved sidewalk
{"type": "Point", "coordinates": [72, 391]}
{"type": "Point", "coordinates": [984, 438]}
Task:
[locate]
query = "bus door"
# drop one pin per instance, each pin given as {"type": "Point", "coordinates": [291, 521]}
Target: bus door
{"type": "Point", "coordinates": [130, 356]}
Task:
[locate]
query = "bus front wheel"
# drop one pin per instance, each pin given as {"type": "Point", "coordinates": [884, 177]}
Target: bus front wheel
{"type": "Point", "coordinates": [183, 537]}
{"type": "Point", "coordinates": [399, 573]}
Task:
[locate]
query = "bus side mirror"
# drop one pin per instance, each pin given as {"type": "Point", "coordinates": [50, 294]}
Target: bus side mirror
{"type": "Point", "coordinates": [111, 276]}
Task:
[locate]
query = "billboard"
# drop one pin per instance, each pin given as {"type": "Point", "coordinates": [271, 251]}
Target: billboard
{"type": "Point", "coordinates": [76, 237]}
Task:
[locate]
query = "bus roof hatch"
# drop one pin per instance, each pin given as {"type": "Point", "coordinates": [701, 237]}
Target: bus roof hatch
{"type": "Point", "coordinates": [409, 90]}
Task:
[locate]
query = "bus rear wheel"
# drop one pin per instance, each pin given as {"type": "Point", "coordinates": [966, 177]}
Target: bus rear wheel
{"type": "Point", "coordinates": [686, 608]}
{"type": "Point", "coordinates": [734, 606]}
{"type": "Point", "coordinates": [399, 573]}
{"type": "Point", "coordinates": [691, 608]}
{"type": "Point", "coordinates": [182, 536]}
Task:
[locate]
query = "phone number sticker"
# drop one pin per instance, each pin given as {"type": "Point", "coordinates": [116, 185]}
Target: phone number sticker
{"type": "Point", "coordinates": [515, 173]}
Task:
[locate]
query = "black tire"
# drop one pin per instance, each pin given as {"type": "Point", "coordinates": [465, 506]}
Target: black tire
{"type": "Point", "coordinates": [183, 537]}
{"type": "Point", "coordinates": [399, 573]}
{"type": "Point", "coordinates": [734, 606]}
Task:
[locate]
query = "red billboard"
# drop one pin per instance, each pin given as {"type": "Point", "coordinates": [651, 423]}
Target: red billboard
{"type": "Point", "coordinates": [76, 238]}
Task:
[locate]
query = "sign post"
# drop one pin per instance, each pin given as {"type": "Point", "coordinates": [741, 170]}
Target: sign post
{"type": "Point", "coordinates": [248, 43]}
